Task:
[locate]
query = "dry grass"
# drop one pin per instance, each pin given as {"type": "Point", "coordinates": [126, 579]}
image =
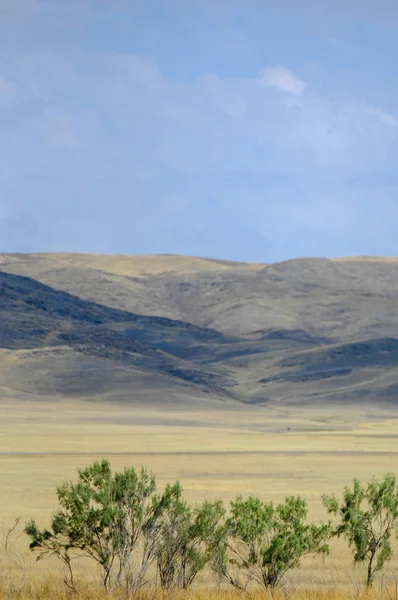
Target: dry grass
{"type": "Point", "coordinates": [125, 265]}
{"type": "Point", "coordinates": [50, 589]}
{"type": "Point", "coordinates": [214, 453]}
{"type": "Point", "coordinates": [367, 259]}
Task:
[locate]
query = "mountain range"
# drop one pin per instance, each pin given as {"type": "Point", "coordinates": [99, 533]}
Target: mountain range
{"type": "Point", "coordinates": [175, 329]}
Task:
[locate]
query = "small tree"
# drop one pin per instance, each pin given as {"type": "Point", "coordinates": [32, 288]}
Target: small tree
{"type": "Point", "coordinates": [367, 518]}
{"type": "Point", "coordinates": [110, 518]}
{"type": "Point", "coordinates": [187, 536]}
{"type": "Point", "coordinates": [262, 542]}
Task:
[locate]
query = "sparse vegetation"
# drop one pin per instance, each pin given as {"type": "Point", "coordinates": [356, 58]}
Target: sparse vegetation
{"type": "Point", "coordinates": [46, 590]}
{"type": "Point", "coordinates": [118, 522]}
{"type": "Point", "coordinates": [53, 447]}
{"type": "Point", "coordinates": [264, 541]}
{"type": "Point", "coordinates": [189, 538]}
{"type": "Point", "coordinates": [12, 563]}
{"type": "Point", "coordinates": [112, 519]}
{"type": "Point", "coordinates": [140, 538]}
{"type": "Point", "coordinates": [368, 517]}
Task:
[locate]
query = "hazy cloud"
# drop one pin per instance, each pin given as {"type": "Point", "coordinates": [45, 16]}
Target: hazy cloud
{"type": "Point", "coordinates": [282, 79]}
{"type": "Point", "coordinates": [383, 116]}
{"type": "Point", "coordinates": [138, 70]}
{"type": "Point", "coordinates": [140, 143]}
{"type": "Point", "coordinates": [113, 144]}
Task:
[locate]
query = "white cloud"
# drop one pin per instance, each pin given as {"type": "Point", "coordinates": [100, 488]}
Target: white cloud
{"type": "Point", "coordinates": [282, 79]}
{"type": "Point", "coordinates": [159, 143]}
{"type": "Point", "coordinates": [383, 116]}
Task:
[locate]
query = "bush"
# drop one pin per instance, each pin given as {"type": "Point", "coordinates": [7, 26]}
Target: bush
{"type": "Point", "coordinates": [262, 542]}
{"type": "Point", "coordinates": [187, 538]}
{"type": "Point", "coordinates": [110, 518]}
{"type": "Point", "coordinates": [119, 522]}
{"type": "Point", "coordinates": [367, 518]}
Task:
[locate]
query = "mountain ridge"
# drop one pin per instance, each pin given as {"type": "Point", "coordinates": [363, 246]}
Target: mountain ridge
{"type": "Point", "coordinates": [210, 328]}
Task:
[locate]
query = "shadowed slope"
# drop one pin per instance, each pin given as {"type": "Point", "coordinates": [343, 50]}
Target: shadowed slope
{"type": "Point", "coordinates": [344, 300]}
{"type": "Point", "coordinates": [34, 316]}
{"type": "Point", "coordinates": [307, 329]}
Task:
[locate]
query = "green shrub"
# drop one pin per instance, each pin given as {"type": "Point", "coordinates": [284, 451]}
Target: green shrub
{"type": "Point", "coordinates": [110, 518]}
{"type": "Point", "coordinates": [368, 516]}
{"type": "Point", "coordinates": [187, 538]}
{"type": "Point", "coordinates": [262, 541]}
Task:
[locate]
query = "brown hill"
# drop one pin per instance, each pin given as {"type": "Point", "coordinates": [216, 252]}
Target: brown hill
{"type": "Point", "coordinates": [306, 330]}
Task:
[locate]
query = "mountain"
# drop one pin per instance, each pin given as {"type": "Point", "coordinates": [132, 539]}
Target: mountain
{"type": "Point", "coordinates": [184, 329]}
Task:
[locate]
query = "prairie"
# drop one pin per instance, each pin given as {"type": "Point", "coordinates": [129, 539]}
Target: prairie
{"type": "Point", "coordinates": [215, 453]}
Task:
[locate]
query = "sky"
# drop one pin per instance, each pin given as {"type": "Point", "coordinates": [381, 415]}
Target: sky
{"type": "Point", "coordinates": [256, 130]}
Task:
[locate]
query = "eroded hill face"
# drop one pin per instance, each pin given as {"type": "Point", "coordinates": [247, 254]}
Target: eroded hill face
{"type": "Point", "coordinates": [166, 327]}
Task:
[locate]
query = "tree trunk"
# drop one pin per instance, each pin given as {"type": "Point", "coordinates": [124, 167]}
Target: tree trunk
{"type": "Point", "coordinates": [369, 579]}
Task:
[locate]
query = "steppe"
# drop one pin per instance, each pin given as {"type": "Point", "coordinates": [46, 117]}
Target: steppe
{"type": "Point", "coordinates": [233, 378]}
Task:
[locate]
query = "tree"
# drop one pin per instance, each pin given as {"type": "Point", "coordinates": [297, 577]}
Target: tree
{"type": "Point", "coordinates": [110, 518]}
{"type": "Point", "coordinates": [368, 516]}
{"type": "Point", "coordinates": [262, 542]}
{"type": "Point", "coordinates": [187, 536]}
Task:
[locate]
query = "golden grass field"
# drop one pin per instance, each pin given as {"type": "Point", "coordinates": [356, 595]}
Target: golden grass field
{"type": "Point", "coordinates": [215, 452]}
{"type": "Point", "coordinates": [49, 591]}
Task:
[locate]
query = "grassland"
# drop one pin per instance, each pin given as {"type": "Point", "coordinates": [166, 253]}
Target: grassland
{"type": "Point", "coordinates": [215, 453]}
{"type": "Point", "coordinates": [46, 591]}
{"type": "Point", "coordinates": [96, 373]}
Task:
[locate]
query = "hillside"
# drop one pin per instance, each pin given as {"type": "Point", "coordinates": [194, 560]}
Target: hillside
{"type": "Point", "coordinates": [172, 328]}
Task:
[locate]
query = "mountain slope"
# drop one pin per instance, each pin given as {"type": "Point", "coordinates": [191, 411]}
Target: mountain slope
{"type": "Point", "coordinates": [340, 299]}
{"type": "Point", "coordinates": [34, 316]}
{"type": "Point", "coordinates": [307, 330]}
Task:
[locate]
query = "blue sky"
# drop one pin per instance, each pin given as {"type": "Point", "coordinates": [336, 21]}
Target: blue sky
{"type": "Point", "coordinates": [256, 130]}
